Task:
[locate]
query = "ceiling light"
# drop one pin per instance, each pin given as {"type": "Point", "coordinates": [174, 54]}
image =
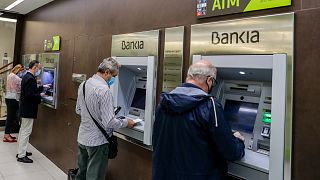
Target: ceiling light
{"type": "Point", "coordinates": [8, 19]}
{"type": "Point", "coordinates": [139, 69]}
{"type": "Point", "coordinates": [13, 4]}
{"type": "Point", "coordinates": [241, 72]}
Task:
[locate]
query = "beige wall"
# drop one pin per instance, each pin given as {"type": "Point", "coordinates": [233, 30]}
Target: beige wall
{"type": "Point", "coordinates": [7, 38]}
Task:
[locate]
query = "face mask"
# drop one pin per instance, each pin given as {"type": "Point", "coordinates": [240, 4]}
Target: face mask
{"type": "Point", "coordinates": [38, 72]}
{"type": "Point", "coordinates": [210, 88]}
{"type": "Point", "coordinates": [20, 74]}
{"type": "Point", "coordinates": [111, 81]}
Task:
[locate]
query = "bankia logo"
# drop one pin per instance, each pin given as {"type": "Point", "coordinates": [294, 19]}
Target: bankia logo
{"type": "Point", "coordinates": [201, 7]}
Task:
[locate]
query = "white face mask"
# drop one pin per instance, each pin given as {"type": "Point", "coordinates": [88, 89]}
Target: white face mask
{"type": "Point", "coordinates": [37, 72]}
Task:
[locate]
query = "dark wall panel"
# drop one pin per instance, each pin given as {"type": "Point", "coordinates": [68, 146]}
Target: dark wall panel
{"type": "Point", "coordinates": [86, 28]}
{"type": "Point", "coordinates": [307, 122]}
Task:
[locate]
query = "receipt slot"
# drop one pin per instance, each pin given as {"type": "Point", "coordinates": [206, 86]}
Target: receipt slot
{"type": "Point", "coordinates": [135, 92]}
{"type": "Point", "coordinates": [252, 90]}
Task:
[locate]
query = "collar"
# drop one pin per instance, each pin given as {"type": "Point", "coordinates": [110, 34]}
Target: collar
{"type": "Point", "coordinates": [100, 79]}
{"type": "Point", "coordinates": [31, 74]}
{"type": "Point", "coordinates": [190, 85]}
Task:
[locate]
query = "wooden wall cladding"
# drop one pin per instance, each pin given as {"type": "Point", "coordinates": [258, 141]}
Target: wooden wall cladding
{"type": "Point", "coordinates": [86, 28]}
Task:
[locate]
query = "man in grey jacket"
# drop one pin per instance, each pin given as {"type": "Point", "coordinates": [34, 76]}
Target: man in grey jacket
{"type": "Point", "coordinates": [93, 146]}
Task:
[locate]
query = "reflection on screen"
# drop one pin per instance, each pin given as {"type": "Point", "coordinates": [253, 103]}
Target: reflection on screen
{"type": "Point", "coordinates": [241, 115]}
{"type": "Point", "coordinates": [47, 77]}
{"type": "Point", "coordinates": [139, 99]}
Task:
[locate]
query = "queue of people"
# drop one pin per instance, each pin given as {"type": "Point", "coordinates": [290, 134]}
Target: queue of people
{"type": "Point", "coordinates": [23, 95]}
{"type": "Point", "coordinates": [191, 138]}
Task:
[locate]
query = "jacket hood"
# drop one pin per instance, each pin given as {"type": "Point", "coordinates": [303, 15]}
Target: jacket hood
{"type": "Point", "coordinates": [182, 99]}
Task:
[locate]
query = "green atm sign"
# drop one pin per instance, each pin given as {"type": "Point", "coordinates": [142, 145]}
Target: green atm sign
{"type": "Point", "coordinates": [207, 8]}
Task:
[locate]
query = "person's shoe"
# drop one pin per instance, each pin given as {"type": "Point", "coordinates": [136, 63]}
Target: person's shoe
{"type": "Point", "coordinates": [27, 154]}
{"type": "Point", "coordinates": [25, 160]}
{"type": "Point", "coordinates": [10, 140]}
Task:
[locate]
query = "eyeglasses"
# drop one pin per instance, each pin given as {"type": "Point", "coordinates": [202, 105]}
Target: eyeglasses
{"type": "Point", "coordinates": [215, 81]}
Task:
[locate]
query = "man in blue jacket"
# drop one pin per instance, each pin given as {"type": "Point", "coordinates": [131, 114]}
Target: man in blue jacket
{"type": "Point", "coordinates": [191, 138]}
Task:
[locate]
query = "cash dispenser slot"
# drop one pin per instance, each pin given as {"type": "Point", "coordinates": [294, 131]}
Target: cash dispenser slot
{"type": "Point", "coordinates": [263, 146]}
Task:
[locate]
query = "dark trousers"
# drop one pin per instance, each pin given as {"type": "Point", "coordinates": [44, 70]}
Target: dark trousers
{"type": "Point", "coordinates": [92, 162]}
{"type": "Point", "coordinates": [12, 110]}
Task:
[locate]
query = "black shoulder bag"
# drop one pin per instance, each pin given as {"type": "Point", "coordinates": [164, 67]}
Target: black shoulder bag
{"type": "Point", "coordinates": [113, 142]}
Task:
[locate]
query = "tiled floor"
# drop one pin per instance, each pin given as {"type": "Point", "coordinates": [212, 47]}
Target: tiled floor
{"type": "Point", "coordinates": [41, 169]}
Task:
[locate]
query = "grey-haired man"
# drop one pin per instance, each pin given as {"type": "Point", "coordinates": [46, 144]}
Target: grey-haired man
{"type": "Point", "coordinates": [92, 144]}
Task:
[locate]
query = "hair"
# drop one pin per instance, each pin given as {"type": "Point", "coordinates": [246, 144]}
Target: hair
{"type": "Point", "coordinates": [201, 70]}
{"type": "Point", "coordinates": [17, 68]}
{"type": "Point", "coordinates": [33, 63]}
{"type": "Point", "coordinates": [108, 65]}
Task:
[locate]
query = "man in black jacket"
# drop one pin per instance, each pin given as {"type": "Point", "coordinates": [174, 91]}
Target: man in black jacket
{"type": "Point", "coordinates": [191, 138]}
{"type": "Point", "coordinates": [29, 100]}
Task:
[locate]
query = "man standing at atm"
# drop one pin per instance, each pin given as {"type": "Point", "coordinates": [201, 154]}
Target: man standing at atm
{"type": "Point", "coordinates": [191, 138]}
{"type": "Point", "coordinates": [29, 100]}
{"type": "Point", "coordinates": [93, 146]}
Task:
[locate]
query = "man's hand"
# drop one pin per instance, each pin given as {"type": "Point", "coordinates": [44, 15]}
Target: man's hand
{"type": "Point", "coordinates": [42, 94]}
{"type": "Point", "coordinates": [130, 123]}
{"type": "Point", "coordinates": [238, 135]}
{"type": "Point", "coordinates": [47, 85]}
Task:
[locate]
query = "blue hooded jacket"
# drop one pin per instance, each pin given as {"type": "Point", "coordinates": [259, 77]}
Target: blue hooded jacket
{"type": "Point", "coordinates": [189, 143]}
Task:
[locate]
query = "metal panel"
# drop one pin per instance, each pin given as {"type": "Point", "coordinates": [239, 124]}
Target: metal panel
{"type": "Point", "coordinates": [173, 58]}
{"type": "Point", "coordinates": [278, 109]}
{"type": "Point", "coordinates": [49, 59]}
{"type": "Point", "coordinates": [259, 35]}
{"type": "Point", "coordinates": [150, 99]}
{"type": "Point", "coordinates": [136, 44]}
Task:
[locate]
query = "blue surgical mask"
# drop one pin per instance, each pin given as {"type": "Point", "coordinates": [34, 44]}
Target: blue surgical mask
{"type": "Point", "coordinates": [20, 74]}
{"type": "Point", "coordinates": [38, 72]}
{"type": "Point", "coordinates": [111, 81]}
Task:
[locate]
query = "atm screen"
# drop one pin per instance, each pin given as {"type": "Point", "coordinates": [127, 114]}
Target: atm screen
{"type": "Point", "coordinates": [139, 99]}
{"type": "Point", "coordinates": [241, 115]}
{"type": "Point", "coordinates": [48, 76]}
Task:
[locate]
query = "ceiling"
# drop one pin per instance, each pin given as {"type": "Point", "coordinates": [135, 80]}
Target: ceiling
{"type": "Point", "coordinates": [25, 7]}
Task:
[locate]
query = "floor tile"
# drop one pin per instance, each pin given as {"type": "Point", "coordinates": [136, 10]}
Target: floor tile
{"type": "Point", "coordinates": [31, 176]}
{"type": "Point", "coordinates": [41, 169]}
{"type": "Point", "coordinates": [52, 168]}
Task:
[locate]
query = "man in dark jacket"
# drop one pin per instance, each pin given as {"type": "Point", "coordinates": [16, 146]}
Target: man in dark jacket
{"type": "Point", "coordinates": [29, 100]}
{"type": "Point", "coordinates": [191, 138]}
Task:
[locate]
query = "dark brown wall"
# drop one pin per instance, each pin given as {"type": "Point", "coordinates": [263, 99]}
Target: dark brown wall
{"type": "Point", "coordinates": [86, 28]}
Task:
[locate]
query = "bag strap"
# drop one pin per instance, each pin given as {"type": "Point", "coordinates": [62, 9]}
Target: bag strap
{"type": "Point", "coordinates": [94, 120]}
{"type": "Point", "coordinates": [215, 112]}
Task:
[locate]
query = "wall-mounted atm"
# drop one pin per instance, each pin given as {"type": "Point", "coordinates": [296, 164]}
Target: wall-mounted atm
{"type": "Point", "coordinates": [252, 90]}
{"type": "Point", "coordinates": [49, 75]}
{"type": "Point", "coordinates": [134, 91]}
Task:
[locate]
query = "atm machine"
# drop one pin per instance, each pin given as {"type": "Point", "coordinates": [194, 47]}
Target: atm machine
{"type": "Point", "coordinates": [135, 92]}
{"type": "Point", "coordinates": [49, 76]}
{"type": "Point", "coordinates": [252, 90]}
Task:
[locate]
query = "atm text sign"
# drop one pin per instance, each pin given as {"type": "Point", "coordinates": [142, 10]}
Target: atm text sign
{"type": "Point", "coordinates": [207, 8]}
